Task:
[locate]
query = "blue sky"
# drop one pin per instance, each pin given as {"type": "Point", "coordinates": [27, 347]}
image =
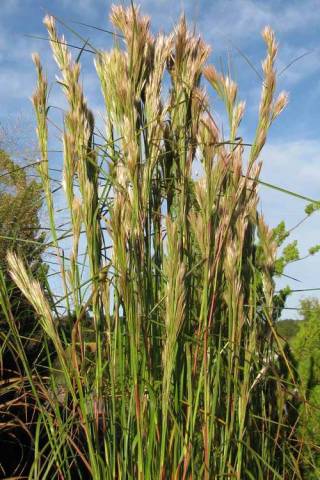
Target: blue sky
{"type": "Point", "coordinates": [232, 28]}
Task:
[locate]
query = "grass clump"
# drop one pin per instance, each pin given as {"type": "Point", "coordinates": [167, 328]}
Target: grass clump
{"type": "Point", "coordinates": [167, 363]}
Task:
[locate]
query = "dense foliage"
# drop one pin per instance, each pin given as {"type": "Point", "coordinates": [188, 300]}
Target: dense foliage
{"type": "Point", "coordinates": [20, 203]}
{"type": "Point", "coordinates": [306, 348]}
{"type": "Point", "coordinates": [288, 329]}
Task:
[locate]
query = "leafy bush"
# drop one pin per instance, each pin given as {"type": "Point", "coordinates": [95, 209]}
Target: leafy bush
{"type": "Point", "coordinates": [20, 203]}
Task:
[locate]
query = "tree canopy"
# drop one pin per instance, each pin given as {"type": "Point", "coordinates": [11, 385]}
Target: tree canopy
{"type": "Point", "coordinates": [306, 349]}
{"type": "Point", "coordinates": [20, 204]}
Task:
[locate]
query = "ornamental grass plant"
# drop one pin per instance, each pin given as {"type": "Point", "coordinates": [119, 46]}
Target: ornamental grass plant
{"type": "Point", "coordinates": [166, 363]}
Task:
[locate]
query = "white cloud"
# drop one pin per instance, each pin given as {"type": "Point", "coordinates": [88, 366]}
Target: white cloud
{"type": "Point", "coordinates": [294, 165]}
{"type": "Point", "coordinates": [82, 6]}
{"type": "Point", "coordinates": [305, 63]}
{"type": "Point", "coordinates": [240, 19]}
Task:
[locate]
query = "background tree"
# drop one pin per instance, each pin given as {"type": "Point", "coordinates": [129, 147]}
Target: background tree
{"type": "Point", "coordinates": [306, 348]}
{"type": "Point", "coordinates": [288, 328]}
{"type": "Point", "coordinates": [20, 203]}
